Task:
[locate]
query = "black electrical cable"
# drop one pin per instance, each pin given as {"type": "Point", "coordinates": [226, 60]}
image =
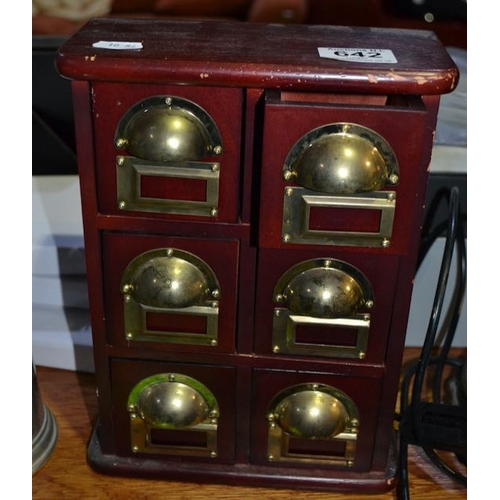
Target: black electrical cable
{"type": "Point", "coordinates": [411, 407]}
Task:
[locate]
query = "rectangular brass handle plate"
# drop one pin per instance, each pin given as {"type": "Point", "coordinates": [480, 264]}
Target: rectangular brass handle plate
{"type": "Point", "coordinates": [137, 329]}
{"type": "Point", "coordinates": [299, 204]}
{"type": "Point", "coordinates": [131, 171]}
{"type": "Point", "coordinates": [286, 340]}
{"type": "Point", "coordinates": [340, 450]}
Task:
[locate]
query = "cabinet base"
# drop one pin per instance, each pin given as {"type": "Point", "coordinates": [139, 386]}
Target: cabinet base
{"type": "Point", "coordinates": [242, 474]}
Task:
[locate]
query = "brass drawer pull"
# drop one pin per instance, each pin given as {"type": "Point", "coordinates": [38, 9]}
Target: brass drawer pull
{"type": "Point", "coordinates": [170, 281]}
{"type": "Point", "coordinates": [342, 158]}
{"type": "Point", "coordinates": [168, 402]}
{"type": "Point", "coordinates": [312, 413]}
{"type": "Point", "coordinates": [167, 128]}
{"type": "Point", "coordinates": [322, 293]}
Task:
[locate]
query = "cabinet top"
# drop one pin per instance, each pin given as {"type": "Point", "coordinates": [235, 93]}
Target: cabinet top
{"type": "Point", "coordinates": [240, 54]}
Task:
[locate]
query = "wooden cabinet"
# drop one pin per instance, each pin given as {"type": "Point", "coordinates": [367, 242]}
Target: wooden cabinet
{"type": "Point", "coordinates": [252, 212]}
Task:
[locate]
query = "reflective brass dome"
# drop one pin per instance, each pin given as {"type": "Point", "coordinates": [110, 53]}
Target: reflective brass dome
{"type": "Point", "coordinates": [311, 414]}
{"type": "Point", "coordinates": [324, 293]}
{"type": "Point", "coordinates": [342, 159]}
{"type": "Point", "coordinates": [169, 282]}
{"type": "Point", "coordinates": [168, 129]}
{"type": "Point", "coordinates": [172, 405]}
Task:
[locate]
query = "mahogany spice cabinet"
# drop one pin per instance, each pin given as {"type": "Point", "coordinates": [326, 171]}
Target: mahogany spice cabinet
{"type": "Point", "coordinates": [252, 197]}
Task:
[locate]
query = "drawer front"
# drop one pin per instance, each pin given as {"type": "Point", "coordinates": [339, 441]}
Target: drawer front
{"type": "Point", "coordinates": [170, 293]}
{"type": "Point", "coordinates": [316, 420]}
{"type": "Point", "coordinates": [338, 306]}
{"type": "Point", "coordinates": [171, 410]}
{"type": "Point", "coordinates": [169, 152]}
{"type": "Point", "coordinates": [341, 176]}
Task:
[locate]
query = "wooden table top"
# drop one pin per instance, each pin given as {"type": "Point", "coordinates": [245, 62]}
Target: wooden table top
{"type": "Point", "coordinates": [70, 396]}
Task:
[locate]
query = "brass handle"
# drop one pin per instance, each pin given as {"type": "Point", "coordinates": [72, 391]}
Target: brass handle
{"type": "Point", "coordinates": [172, 401]}
{"type": "Point", "coordinates": [170, 278]}
{"type": "Point", "coordinates": [324, 288]}
{"type": "Point", "coordinates": [342, 158]}
{"type": "Point", "coordinates": [314, 411]}
{"type": "Point", "coordinates": [168, 403]}
{"type": "Point", "coordinates": [166, 129]}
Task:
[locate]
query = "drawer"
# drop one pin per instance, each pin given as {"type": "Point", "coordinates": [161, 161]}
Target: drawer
{"type": "Point", "coordinates": [168, 151]}
{"type": "Point", "coordinates": [315, 420]}
{"type": "Point", "coordinates": [170, 293]}
{"type": "Point", "coordinates": [337, 175]}
{"type": "Point", "coordinates": [335, 306]}
{"type": "Point", "coordinates": [173, 410]}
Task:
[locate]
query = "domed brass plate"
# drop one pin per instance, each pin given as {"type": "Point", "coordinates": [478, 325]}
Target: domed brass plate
{"type": "Point", "coordinates": [168, 129]}
{"type": "Point", "coordinates": [312, 412]}
{"type": "Point", "coordinates": [341, 159]}
{"type": "Point", "coordinates": [172, 401]}
{"type": "Point", "coordinates": [324, 288]}
{"type": "Point", "coordinates": [167, 280]}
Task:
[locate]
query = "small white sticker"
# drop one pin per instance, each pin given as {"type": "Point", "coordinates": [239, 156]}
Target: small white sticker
{"type": "Point", "coordinates": [358, 55]}
{"type": "Point", "coordinates": [117, 45]}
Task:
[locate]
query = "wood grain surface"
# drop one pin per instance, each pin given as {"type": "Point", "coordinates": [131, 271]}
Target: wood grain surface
{"type": "Point", "coordinates": [70, 396]}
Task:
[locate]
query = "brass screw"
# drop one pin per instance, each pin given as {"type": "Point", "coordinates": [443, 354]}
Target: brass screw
{"type": "Point", "coordinates": [122, 205]}
{"type": "Point", "coordinates": [369, 304]}
{"type": "Point", "coordinates": [361, 355]}
{"type": "Point", "coordinates": [132, 415]}
{"type": "Point", "coordinates": [215, 167]}
{"type": "Point", "coordinates": [391, 196]}
{"type": "Point", "coordinates": [276, 349]}
{"type": "Point", "coordinates": [171, 377]}
{"type": "Point", "coordinates": [286, 238]}
{"type": "Point", "coordinates": [213, 343]}
{"type": "Point", "coordinates": [131, 408]}
{"type": "Point", "coordinates": [129, 336]}
{"type": "Point", "coordinates": [289, 191]}
{"type": "Point", "coordinates": [168, 101]}
{"type": "Point", "coordinates": [120, 160]}
{"type": "Point", "coordinates": [393, 178]}
{"type": "Point", "coordinates": [135, 449]}
{"type": "Point", "coordinates": [127, 298]}
{"type": "Point", "coordinates": [350, 463]}
{"type": "Point", "coordinates": [215, 293]}
{"type": "Point", "coordinates": [214, 212]}
{"type": "Point", "coordinates": [217, 150]}
{"type": "Point", "coordinates": [170, 252]}
{"type": "Point", "coordinates": [213, 454]}
{"type": "Point", "coordinates": [386, 243]}
{"type": "Point", "coordinates": [270, 458]}
{"type": "Point", "coordinates": [121, 142]}
{"type": "Point", "coordinates": [287, 175]}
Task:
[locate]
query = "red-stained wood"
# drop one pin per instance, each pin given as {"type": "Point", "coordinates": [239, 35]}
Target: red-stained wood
{"type": "Point", "coordinates": [265, 87]}
{"type": "Point", "coordinates": [71, 398]}
{"type": "Point", "coordinates": [257, 55]}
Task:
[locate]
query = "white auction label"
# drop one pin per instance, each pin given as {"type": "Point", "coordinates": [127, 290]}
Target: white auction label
{"type": "Point", "coordinates": [358, 55]}
{"type": "Point", "coordinates": [117, 45]}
